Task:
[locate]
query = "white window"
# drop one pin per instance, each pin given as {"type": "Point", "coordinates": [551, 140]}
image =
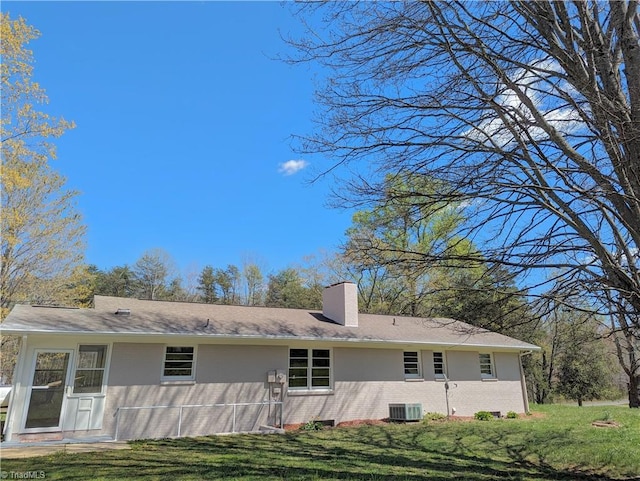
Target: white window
{"type": "Point", "coordinates": [310, 369]}
{"type": "Point", "coordinates": [438, 365]}
{"type": "Point", "coordinates": [411, 365]}
{"type": "Point", "coordinates": [179, 363]}
{"type": "Point", "coordinates": [89, 375]}
{"type": "Point", "coordinates": [486, 366]}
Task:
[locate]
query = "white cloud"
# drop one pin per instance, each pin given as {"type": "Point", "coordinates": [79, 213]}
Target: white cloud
{"type": "Point", "coordinates": [291, 167]}
{"type": "Point", "coordinates": [545, 93]}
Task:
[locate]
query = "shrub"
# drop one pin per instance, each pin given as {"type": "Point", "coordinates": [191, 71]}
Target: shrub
{"type": "Point", "coordinates": [606, 417]}
{"type": "Point", "coordinates": [483, 416]}
{"type": "Point", "coordinates": [313, 425]}
{"type": "Point", "coordinates": [512, 415]}
{"type": "Point", "coordinates": [433, 417]}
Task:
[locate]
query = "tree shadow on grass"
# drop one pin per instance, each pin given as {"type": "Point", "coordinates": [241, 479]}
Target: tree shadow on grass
{"type": "Point", "coordinates": [383, 453]}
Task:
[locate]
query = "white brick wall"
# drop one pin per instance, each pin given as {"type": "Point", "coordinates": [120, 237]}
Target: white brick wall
{"type": "Point", "coordinates": [365, 382]}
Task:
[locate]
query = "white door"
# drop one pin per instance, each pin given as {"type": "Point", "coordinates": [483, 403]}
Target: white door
{"type": "Point", "coordinates": [86, 398]}
{"type": "Point", "coordinates": [47, 392]}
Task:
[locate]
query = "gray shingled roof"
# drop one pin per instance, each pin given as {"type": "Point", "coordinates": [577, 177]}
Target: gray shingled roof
{"type": "Point", "coordinates": [159, 318]}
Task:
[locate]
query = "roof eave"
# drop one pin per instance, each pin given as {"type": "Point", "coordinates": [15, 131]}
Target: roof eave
{"type": "Point", "coordinates": [247, 337]}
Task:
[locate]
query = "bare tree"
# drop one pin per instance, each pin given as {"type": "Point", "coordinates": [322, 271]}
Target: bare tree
{"type": "Point", "coordinates": [152, 273]}
{"type": "Point", "coordinates": [627, 345]}
{"type": "Point", "coordinates": [253, 267]}
{"type": "Point", "coordinates": [526, 113]}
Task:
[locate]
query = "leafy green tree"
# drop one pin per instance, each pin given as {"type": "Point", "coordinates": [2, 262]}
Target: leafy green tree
{"type": "Point", "coordinates": [540, 367]}
{"type": "Point", "coordinates": [175, 291]}
{"type": "Point", "coordinates": [227, 283]}
{"type": "Point", "coordinates": [390, 242]}
{"type": "Point", "coordinates": [254, 284]}
{"type": "Point", "coordinates": [119, 281]}
{"type": "Point", "coordinates": [485, 296]}
{"type": "Point", "coordinates": [386, 251]}
{"type": "Point", "coordinates": [584, 371]}
{"type": "Point", "coordinates": [42, 244]}
{"type": "Point", "coordinates": [286, 289]}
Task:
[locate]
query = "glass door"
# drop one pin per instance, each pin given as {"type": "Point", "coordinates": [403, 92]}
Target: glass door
{"type": "Point", "coordinates": [47, 391]}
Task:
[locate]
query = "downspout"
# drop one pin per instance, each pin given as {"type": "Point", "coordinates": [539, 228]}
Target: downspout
{"type": "Point", "coordinates": [17, 386]}
{"type": "Point", "coordinates": [523, 383]}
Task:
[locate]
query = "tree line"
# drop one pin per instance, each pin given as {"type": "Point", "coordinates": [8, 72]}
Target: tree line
{"type": "Point", "coordinates": [154, 276]}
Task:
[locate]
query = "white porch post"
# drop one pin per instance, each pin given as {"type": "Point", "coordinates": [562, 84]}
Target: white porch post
{"type": "Point", "coordinates": [16, 390]}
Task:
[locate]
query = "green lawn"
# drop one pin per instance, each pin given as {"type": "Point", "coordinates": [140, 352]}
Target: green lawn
{"type": "Point", "coordinates": [558, 443]}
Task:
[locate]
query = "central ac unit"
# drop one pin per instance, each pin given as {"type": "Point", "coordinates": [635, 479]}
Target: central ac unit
{"type": "Point", "coordinates": [405, 412]}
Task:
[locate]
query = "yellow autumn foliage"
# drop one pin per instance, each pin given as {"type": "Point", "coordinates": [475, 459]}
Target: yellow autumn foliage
{"type": "Point", "coordinates": [42, 233]}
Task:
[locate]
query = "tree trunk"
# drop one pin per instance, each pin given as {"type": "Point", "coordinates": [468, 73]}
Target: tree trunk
{"type": "Point", "coordinates": [634, 391]}
{"type": "Point", "coordinates": [579, 402]}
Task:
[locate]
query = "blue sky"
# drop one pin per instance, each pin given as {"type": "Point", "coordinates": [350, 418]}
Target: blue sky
{"type": "Point", "coordinates": [183, 130]}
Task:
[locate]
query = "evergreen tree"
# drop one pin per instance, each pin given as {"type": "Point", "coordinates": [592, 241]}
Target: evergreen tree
{"type": "Point", "coordinates": [207, 285]}
{"type": "Point", "coordinates": [286, 289]}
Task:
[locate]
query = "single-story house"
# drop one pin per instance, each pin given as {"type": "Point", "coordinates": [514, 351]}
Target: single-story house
{"type": "Point", "coordinates": [130, 368]}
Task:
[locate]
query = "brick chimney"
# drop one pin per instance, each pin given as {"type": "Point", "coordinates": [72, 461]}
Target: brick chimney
{"type": "Point", "coordinates": [340, 303]}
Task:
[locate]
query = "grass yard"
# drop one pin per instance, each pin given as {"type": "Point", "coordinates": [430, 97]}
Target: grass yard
{"type": "Point", "coordinates": [557, 443]}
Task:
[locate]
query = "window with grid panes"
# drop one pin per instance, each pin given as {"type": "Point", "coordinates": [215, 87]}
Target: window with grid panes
{"type": "Point", "coordinates": [179, 363]}
{"type": "Point", "coordinates": [89, 375]}
{"type": "Point", "coordinates": [486, 366]}
{"type": "Point", "coordinates": [438, 365]}
{"type": "Point", "coordinates": [411, 365]}
{"type": "Point", "coordinates": [309, 369]}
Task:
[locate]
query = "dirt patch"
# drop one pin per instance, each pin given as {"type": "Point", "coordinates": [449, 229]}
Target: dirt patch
{"type": "Point", "coordinates": [381, 422]}
{"type": "Point", "coordinates": [293, 427]}
{"type": "Point", "coordinates": [344, 424]}
{"type": "Point", "coordinates": [533, 415]}
{"type": "Point", "coordinates": [605, 424]}
{"type": "Point", "coordinates": [460, 419]}
{"type": "Point", "coordinates": [363, 422]}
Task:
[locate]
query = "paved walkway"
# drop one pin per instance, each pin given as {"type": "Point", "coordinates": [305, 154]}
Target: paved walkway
{"type": "Point", "coordinates": [33, 450]}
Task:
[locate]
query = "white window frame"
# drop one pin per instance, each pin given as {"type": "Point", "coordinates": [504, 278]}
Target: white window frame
{"type": "Point", "coordinates": [104, 369]}
{"type": "Point", "coordinates": [418, 366]}
{"type": "Point", "coordinates": [30, 387]}
{"type": "Point", "coordinates": [482, 358]}
{"type": "Point", "coordinates": [309, 386]}
{"type": "Point", "coordinates": [439, 376]}
{"type": "Point", "coordinates": [191, 377]}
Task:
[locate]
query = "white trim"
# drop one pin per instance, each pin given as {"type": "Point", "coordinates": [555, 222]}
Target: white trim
{"type": "Point", "coordinates": [436, 376]}
{"type": "Point", "coordinates": [29, 389]}
{"type": "Point", "coordinates": [309, 388]}
{"type": "Point", "coordinates": [178, 383]}
{"type": "Point", "coordinates": [16, 390]}
{"type": "Point", "coordinates": [492, 365]}
{"type": "Point", "coordinates": [192, 377]}
{"type": "Point", "coordinates": [383, 343]}
{"type": "Point", "coordinates": [105, 369]}
{"type": "Point", "coordinates": [418, 375]}
{"type": "Point", "coordinates": [306, 392]}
